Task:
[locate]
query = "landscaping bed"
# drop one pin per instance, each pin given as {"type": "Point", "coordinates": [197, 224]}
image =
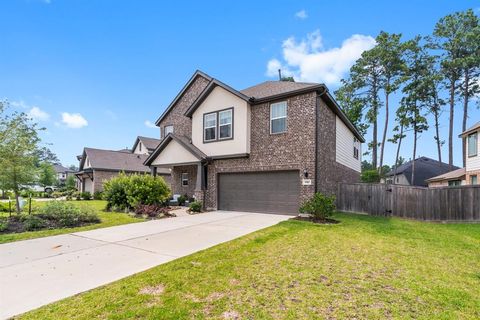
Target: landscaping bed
{"type": "Point", "coordinates": [362, 268]}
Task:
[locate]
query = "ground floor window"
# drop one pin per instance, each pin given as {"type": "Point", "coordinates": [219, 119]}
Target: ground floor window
{"type": "Point", "coordinates": [453, 183]}
{"type": "Point", "coordinates": [473, 179]}
{"type": "Point", "coordinates": [184, 179]}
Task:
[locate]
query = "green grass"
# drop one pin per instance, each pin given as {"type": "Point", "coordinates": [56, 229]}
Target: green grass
{"type": "Point", "coordinates": [363, 268]}
{"type": "Point", "coordinates": [108, 219]}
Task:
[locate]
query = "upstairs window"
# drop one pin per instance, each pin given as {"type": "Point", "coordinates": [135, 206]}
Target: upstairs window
{"type": "Point", "coordinates": [472, 144]}
{"type": "Point", "coordinates": [278, 117]}
{"type": "Point", "coordinates": [225, 119]}
{"type": "Point", "coordinates": [356, 151]}
{"type": "Point", "coordinates": [167, 130]}
{"type": "Point", "coordinates": [210, 126]}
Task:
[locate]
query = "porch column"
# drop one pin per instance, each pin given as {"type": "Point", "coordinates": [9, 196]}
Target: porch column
{"type": "Point", "coordinates": [154, 171]}
{"type": "Point", "coordinates": [199, 192]}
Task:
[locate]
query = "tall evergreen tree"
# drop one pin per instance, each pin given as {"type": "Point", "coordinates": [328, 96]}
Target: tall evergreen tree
{"type": "Point", "coordinates": [390, 49]}
{"type": "Point", "coordinates": [451, 35]}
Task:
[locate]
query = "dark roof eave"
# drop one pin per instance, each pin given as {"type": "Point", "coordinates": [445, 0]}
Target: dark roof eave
{"type": "Point", "coordinates": [208, 89]}
{"type": "Point", "coordinates": [180, 94]}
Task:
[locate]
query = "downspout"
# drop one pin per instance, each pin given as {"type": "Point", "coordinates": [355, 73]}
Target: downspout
{"type": "Point", "coordinates": [325, 90]}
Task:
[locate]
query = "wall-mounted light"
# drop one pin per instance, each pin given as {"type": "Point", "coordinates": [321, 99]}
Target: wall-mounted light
{"type": "Point", "coordinates": [305, 173]}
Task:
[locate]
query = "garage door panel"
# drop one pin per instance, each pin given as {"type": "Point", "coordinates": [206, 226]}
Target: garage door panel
{"type": "Point", "coordinates": [271, 192]}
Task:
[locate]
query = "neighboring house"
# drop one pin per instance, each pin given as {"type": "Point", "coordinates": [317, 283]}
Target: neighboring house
{"type": "Point", "coordinates": [145, 145]}
{"type": "Point", "coordinates": [267, 148]}
{"type": "Point", "coordinates": [471, 173]}
{"type": "Point", "coordinates": [449, 179]}
{"type": "Point", "coordinates": [63, 173]}
{"type": "Point", "coordinates": [472, 165]}
{"type": "Point", "coordinates": [98, 165]}
{"type": "Point", "coordinates": [425, 168]}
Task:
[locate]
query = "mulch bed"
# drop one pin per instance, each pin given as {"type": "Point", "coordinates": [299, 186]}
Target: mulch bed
{"type": "Point", "coordinates": [319, 221]}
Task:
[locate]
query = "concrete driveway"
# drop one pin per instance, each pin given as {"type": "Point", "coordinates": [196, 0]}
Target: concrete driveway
{"type": "Point", "coordinates": [40, 271]}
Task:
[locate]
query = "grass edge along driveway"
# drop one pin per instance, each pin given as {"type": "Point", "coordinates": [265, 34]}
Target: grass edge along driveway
{"type": "Point", "coordinates": [108, 219]}
{"type": "Point", "coordinates": [365, 268]}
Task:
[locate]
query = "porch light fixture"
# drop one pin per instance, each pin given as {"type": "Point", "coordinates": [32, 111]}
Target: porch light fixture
{"type": "Point", "coordinates": [305, 173]}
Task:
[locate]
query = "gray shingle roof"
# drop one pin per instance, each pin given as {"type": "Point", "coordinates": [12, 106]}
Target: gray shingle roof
{"type": "Point", "coordinates": [425, 168]}
{"type": "Point", "coordinates": [455, 174]}
{"type": "Point", "coordinates": [272, 88]}
{"type": "Point", "coordinates": [116, 160]}
{"type": "Point", "coordinates": [149, 143]}
{"type": "Point", "coordinates": [60, 169]}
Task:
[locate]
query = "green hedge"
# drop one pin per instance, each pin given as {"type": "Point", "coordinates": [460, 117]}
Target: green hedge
{"type": "Point", "coordinates": [125, 192]}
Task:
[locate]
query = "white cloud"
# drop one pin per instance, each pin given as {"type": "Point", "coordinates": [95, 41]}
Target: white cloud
{"type": "Point", "coordinates": [38, 114]}
{"type": "Point", "coordinates": [150, 124]}
{"type": "Point", "coordinates": [19, 104]}
{"type": "Point", "coordinates": [308, 60]}
{"type": "Point", "coordinates": [74, 120]}
{"type": "Point", "coordinates": [302, 14]}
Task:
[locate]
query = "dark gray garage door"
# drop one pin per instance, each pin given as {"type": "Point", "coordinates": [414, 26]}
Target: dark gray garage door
{"type": "Point", "coordinates": [269, 192]}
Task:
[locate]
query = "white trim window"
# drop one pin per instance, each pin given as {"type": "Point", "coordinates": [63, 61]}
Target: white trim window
{"type": "Point", "coordinates": [210, 126]}
{"type": "Point", "coordinates": [472, 144]}
{"type": "Point", "coordinates": [278, 117]}
{"type": "Point", "coordinates": [184, 179]}
{"type": "Point", "coordinates": [167, 130]}
{"type": "Point", "coordinates": [225, 119]}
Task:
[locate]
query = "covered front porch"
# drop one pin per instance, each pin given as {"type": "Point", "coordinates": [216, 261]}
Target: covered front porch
{"type": "Point", "coordinates": [187, 164]}
{"type": "Point", "coordinates": [85, 179]}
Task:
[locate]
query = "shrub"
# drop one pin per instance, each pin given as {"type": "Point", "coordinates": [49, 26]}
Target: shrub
{"type": "Point", "coordinates": [57, 194]}
{"type": "Point", "coordinates": [33, 222]}
{"type": "Point", "coordinates": [64, 214]}
{"type": "Point", "coordinates": [181, 200]}
{"type": "Point", "coordinates": [370, 176]}
{"type": "Point", "coordinates": [98, 195]}
{"type": "Point", "coordinates": [152, 210]}
{"type": "Point", "coordinates": [86, 195]}
{"type": "Point", "coordinates": [195, 206]}
{"type": "Point", "coordinates": [127, 192]}
{"type": "Point", "coordinates": [4, 207]}
{"type": "Point", "coordinates": [319, 206]}
{"type": "Point", "coordinates": [3, 225]}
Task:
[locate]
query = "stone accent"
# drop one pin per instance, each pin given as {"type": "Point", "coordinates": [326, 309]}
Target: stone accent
{"type": "Point", "coordinates": [176, 181]}
{"type": "Point", "coordinates": [292, 150]}
{"type": "Point", "coordinates": [182, 125]}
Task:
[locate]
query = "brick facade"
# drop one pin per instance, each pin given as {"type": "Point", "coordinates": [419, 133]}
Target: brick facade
{"type": "Point", "coordinates": [176, 180]}
{"type": "Point", "coordinates": [292, 150]}
{"type": "Point", "coordinates": [329, 171]}
{"type": "Point", "coordinates": [469, 174]}
{"type": "Point", "coordinates": [182, 125]}
{"type": "Point", "coordinates": [308, 144]}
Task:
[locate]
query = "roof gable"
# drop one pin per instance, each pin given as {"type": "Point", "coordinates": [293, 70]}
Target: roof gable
{"type": "Point", "coordinates": [213, 83]}
{"type": "Point", "coordinates": [197, 153]}
{"type": "Point", "coordinates": [425, 168]}
{"type": "Point", "coordinates": [149, 143]}
{"type": "Point", "coordinates": [197, 74]}
{"type": "Point", "coordinates": [114, 160]}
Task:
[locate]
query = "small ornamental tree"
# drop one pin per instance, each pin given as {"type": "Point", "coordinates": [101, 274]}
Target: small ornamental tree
{"type": "Point", "coordinates": [47, 175]}
{"type": "Point", "coordinates": [370, 176]}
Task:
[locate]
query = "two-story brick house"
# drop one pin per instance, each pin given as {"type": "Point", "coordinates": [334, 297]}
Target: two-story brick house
{"type": "Point", "coordinates": [266, 148]}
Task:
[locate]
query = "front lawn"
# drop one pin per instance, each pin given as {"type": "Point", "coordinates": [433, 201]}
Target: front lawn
{"type": "Point", "coordinates": [363, 268]}
{"type": "Point", "coordinates": [108, 219]}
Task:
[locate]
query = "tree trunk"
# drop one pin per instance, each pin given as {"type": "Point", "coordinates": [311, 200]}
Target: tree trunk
{"type": "Point", "coordinates": [384, 138]}
{"type": "Point", "coordinates": [414, 152]}
{"type": "Point", "coordinates": [465, 116]}
{"type": "Point", "coordinates": [375, 127]}
{"type": "Point", "coordinates": [437, 132]}
{"type": "Point", "coordinates": [17, 201]}
{"type": "Point", "coordinates": [450, 126]}
{"type": "Point", "coordinates": [397, 155]}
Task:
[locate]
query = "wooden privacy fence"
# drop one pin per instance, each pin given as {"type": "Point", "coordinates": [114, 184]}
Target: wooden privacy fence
{"type": "Point", "coordinates": [460, 203]}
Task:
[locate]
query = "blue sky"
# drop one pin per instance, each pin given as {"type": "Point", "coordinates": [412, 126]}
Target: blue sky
{"type": "Point", "coordinates": [93, 72]}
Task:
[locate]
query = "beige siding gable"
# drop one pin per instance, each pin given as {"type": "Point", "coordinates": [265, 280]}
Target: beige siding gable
{"type": "Point", "coordinates": [345, 142]}
{"type": "Point", "coordinates": [473, 163]}
{"type": "Point", "coordinates": [174, 153]}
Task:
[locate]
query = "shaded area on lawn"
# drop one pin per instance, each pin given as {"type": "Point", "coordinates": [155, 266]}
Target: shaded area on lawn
{"type": "Point", "coordinates": [364, 267]}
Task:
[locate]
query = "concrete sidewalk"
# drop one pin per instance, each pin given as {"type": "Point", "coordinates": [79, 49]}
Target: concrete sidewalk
{"type": "Point", "coordinates": [40, 271]}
